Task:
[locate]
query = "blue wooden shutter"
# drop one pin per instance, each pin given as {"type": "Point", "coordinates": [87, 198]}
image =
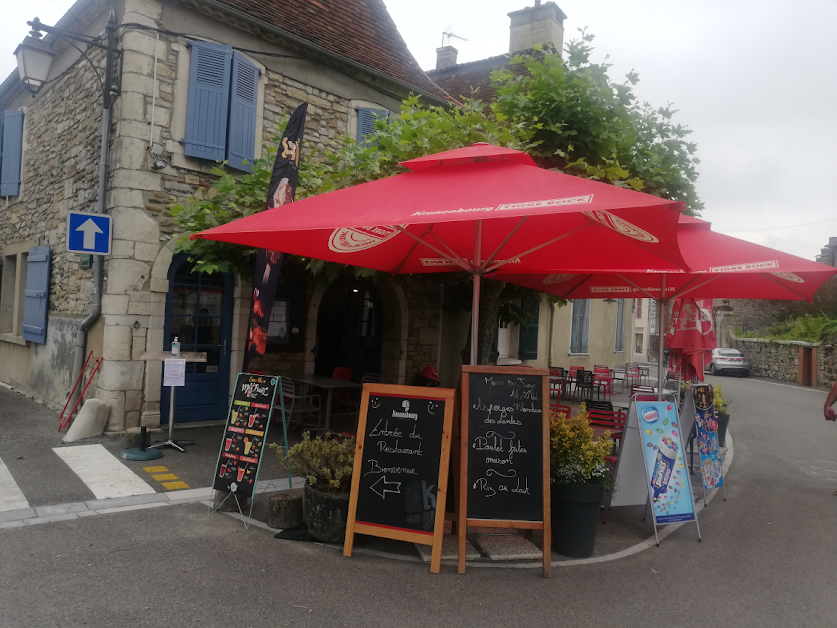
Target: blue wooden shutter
{"type": "Point", "coordinates": [12, 134]}
{"type": "Point", "coordinates": [36, 305]}
{"type": "Point", "coordinates": [209, 93]}
{"type": "Point", "coordinates": [241, 136]}
{"type": "Point", "coordinates": [366, 117]}
{"type": "Point", "coordinates": [527, 338]}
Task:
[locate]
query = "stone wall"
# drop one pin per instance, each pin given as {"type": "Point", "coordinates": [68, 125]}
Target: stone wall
{"type": "Point", "coordinates": [827, 361]}
{"type": "Point", "coordinates": [423, 297]}
{"type": "Point", "coordinates": [756, 314]}
{"type": "Point", "coordinates": [771, 359]}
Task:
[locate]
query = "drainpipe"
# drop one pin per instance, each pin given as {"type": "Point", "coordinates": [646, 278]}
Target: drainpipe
{"type": "Point", "coordinates": [104, 151]}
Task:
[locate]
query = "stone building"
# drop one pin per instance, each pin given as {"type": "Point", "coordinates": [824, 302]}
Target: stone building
{"type": "Point", "coordinates": [183, 66]}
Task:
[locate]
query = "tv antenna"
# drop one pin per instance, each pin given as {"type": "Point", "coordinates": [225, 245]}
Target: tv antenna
{"type": "Point", "coordinates": [448, 34]}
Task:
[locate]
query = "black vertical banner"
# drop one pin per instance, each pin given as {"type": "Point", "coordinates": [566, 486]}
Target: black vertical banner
{"type": "Point", "coordinates": [268, 263]}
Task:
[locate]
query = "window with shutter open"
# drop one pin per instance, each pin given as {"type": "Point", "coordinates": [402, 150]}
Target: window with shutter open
{"type": "Point", "coordinates": [241, 134]}
{"type": "Point", "coordinates": [11, 152]}
{"type": "Point", "coordinates": [208, 106]}
{"type": "Point", "coordinates": [620, 324]}
{"type": "Point", "coordinates": [527, 346]}
{"type": "Point", "coordinates": [580, 327]}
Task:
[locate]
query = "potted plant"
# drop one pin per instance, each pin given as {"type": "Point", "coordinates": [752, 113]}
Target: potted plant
{"type": "Point", "coordinates": [579, 476]}
{"type": "Point", "coordinates": [722, 414]}
{"type": "Point", "coordinates": [326, 464]}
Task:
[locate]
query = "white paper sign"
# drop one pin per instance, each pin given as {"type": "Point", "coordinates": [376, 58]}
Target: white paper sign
{"type": "Point", "coordinates": [174, 373]}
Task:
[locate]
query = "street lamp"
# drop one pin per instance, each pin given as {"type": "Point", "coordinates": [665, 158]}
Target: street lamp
{"type": "Point", "coordinates": [34, 59]}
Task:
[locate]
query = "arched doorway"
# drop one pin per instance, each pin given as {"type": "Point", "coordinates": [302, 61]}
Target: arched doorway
{"type": "Point", "coordinates": [199, 311]}
{"type": "Point", "coordinates": [349, 329]}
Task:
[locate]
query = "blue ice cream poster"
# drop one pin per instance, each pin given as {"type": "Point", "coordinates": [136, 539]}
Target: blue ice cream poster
{"type": "Point", "coordinates": [668, 478]}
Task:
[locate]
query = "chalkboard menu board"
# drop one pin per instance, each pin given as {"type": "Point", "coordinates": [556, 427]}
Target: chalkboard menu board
{"type": "Point", "coordinates": [504, 451]}
{"type": "Point", "coordinates": [505, 437]}
{"type": "Point", "coordinates": [399, 481]}
{"type": "Point", "coordinates": [244, 435]}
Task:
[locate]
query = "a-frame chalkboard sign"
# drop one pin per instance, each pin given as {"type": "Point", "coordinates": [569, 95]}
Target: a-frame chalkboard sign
{"type": "Point", "coordinates": [504, 453]}
{"type": "Point", "coordinates": [400, 475]}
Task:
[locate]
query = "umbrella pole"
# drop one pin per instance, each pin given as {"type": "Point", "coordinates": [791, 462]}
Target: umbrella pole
{"type": "Point", "coordinates": [661, 319]}
{"type": "Point", "coordinates": [475, 304]}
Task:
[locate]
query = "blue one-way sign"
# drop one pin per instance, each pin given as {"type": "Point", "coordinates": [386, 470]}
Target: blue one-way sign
{"type": "Point", "coordinates": [88, 233]}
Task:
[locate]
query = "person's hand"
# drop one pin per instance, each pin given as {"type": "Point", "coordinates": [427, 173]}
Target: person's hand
{"type": "Point", "coordinates": [830, 414]}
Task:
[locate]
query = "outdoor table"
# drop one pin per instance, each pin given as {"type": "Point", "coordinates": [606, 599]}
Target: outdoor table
{"type": "Point", "coordinates": [326, 383]}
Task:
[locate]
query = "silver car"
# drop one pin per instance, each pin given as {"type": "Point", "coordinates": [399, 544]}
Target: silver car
{"type": "Point", "coordinates": [729, 361]}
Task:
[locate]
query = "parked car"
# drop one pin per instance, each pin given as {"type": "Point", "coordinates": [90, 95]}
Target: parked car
{"type": "Point", "coordinates": [729, 361]}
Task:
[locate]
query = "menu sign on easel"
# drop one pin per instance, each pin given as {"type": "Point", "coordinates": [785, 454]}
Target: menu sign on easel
{"type": "Point", "coordinates": [400, 475]}
{"type": "Point", "coordinates": [248, 420]}
{"type": "Point", "coordinates": [504, 452]}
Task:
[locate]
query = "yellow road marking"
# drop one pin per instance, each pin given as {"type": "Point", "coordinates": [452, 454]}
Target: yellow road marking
{"type": "Point", "coordinates": [154, 469]}
{"type": "Point", "coordinates": [164, 476]}
{"type": "Point", "coordinates": [173, 486]}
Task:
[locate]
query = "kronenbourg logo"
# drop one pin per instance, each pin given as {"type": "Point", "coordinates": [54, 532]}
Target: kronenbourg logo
{"type": "Point", "coordinates": [789, 277]}
{"type": "Point", "coordinates": [557, 278]}
{"type": "Point", "coordinates": [749, 266]}
{"type": "Point", "coordinates": [354, 239]}
{"type": "Point", "coordinates": [623, 227]}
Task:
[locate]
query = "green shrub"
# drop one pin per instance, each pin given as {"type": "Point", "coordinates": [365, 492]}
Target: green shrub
{"type": "Point", "coordinates": [575, 456]}
{"type": "Point", "coordinates": [326, 463]}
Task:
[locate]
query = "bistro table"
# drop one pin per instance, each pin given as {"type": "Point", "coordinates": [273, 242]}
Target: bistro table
{"type": "Point", "coordinates": [326, 383]}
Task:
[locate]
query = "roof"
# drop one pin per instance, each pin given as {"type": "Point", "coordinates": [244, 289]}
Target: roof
{"type": "Point", "coordinates": [359, 30]}
{"type": "Point", "coordinates": [459, 79]}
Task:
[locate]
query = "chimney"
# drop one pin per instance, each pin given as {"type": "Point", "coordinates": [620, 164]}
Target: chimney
{"type": "Point", "coordinates": [446, 57]}
{"type": "Point", "coordinates": [541, 24]}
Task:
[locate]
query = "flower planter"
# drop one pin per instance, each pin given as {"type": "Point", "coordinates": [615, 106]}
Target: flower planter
{"type": "Point", "coordinates": [723, 421]}
{"type": "Point", "coordinates": [326, 514]}
{"type": "Point", "coordinates": [575, 518]}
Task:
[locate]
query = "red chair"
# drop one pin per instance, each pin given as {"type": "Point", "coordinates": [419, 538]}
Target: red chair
{"type": "Point", "coordinates": [633, 375]}
{"type": "Point", "coordinates": [603, 378]}
{"type": "Point", "coordinates": [556, 408]}
{"type": "Point", "coordinates": [556, 383]}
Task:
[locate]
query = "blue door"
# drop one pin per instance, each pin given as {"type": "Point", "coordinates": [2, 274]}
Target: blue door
{"type": "Point", "coordinates": [199, 311]}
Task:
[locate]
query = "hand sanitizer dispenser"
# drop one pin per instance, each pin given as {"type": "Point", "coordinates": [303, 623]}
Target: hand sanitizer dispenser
{"type": "Point", "coordinates": [175, 347]}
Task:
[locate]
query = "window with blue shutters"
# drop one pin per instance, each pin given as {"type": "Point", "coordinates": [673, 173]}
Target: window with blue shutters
{"type": "Point", "coordinates": [11, 152]}
{"type": "Point", "coordinates": [221, 112]}
{"type": "Point", "coordinates": [580, 326]}
{"type": "Point", "coordinates": [619, 345]}
{"type": "Point", "coordinates": [36, 304]}
{"type": "Point", "coordinates": [366, 117]}
{"type": "Point", "coordinates": [527, 344]}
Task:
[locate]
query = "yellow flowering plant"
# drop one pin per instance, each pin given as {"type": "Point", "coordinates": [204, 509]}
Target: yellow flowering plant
{"type": "Point", "coordinates": [576, 456]}
{"type": "Point", "coordinates": [721, 404]}
{"type": "Point", "coordinates": [327, 463]}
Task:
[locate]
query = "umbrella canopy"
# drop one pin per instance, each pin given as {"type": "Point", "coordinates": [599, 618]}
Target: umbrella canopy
{"type": "Point", "coordinates": [691, 336]}
{"type": "Point", "coordinates": [477, 209]}
{"type": "Point", "coordinates": [429, 220]}
{"type": "Point", "coordinates": [721, 267]}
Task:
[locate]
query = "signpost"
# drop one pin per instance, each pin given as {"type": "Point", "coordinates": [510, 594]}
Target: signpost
{"type": "Point", "coordinates": [504, 453]}
{"type": "Point", "coordinates": [245, 434]}
{"type": "Point", "coordinates": [402, 456]}
{"type": "Point", "coordinates": [88, 233]}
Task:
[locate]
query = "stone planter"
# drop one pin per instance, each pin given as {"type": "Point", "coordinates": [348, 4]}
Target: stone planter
{"type": "Point", "coordinates": [723, 421]}
{"type": "Point", "coordinates": [326, 514]}
{"type": "Point", "coordinates": [575, 518]}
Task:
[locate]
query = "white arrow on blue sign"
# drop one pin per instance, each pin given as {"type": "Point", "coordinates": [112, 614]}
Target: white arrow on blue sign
{"type": "Point", "coordinates": [88, 233]}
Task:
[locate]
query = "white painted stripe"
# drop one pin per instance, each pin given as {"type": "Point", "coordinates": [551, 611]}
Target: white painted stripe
{"type": "Point", "coordinates": [102, 472]}
{"type": "Point", "coordinates": [11, 497]}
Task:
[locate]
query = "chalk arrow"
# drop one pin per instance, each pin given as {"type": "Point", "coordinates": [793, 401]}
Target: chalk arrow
{"type": "Point", "coordinates": [89, 229]}
{"type": "Point", "coordinates": [382, 490]}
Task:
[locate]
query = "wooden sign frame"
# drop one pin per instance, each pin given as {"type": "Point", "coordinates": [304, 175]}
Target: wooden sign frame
{"type": "Point", "coordinates": [352, 526]}
{"type": "Point", "coordinates": [462, 520]}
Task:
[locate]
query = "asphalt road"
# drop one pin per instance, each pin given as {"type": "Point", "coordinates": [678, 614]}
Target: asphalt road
{"type": "Point", "coordinates": [768, 558]}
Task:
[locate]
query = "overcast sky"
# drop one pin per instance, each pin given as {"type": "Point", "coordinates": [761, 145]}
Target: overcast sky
{"type": "Point", "coordinates": [755, 81]}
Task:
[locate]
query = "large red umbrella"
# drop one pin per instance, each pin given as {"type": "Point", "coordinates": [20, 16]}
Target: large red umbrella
{"type": "Point", "coordinates": [720, 267]}
{"type": "Point", "coordinates": [691, 336]}
{"type": "Point", "coordinates": [477, 208]}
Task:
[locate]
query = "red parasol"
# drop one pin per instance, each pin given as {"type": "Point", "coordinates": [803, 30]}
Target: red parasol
{"type": "Point", "coordinates": [478, 209]}
{"type": "Point", "coordinates": [691, 336]}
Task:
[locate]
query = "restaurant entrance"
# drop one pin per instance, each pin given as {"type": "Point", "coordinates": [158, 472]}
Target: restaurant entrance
{"type": "Point", "coordinates": [349, 329]}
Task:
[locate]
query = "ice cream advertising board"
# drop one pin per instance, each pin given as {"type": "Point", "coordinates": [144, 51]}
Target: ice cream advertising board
{"type": "Point", "coordinates": [711, 463]}
{"type": "Point", "coordinates": [400, 473]}
{"type": "Point", "coordinates": [663, 452]}
{"type": "Point", "coordinates": [248, 420]}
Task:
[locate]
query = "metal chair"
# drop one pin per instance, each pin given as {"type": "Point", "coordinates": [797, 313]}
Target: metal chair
{"type": "Point", "coordinates": [299, 404]}
{"type": "Point", "coordinates": [584, 381]}
{"type": "Point", "coordinates": [557, 382]}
